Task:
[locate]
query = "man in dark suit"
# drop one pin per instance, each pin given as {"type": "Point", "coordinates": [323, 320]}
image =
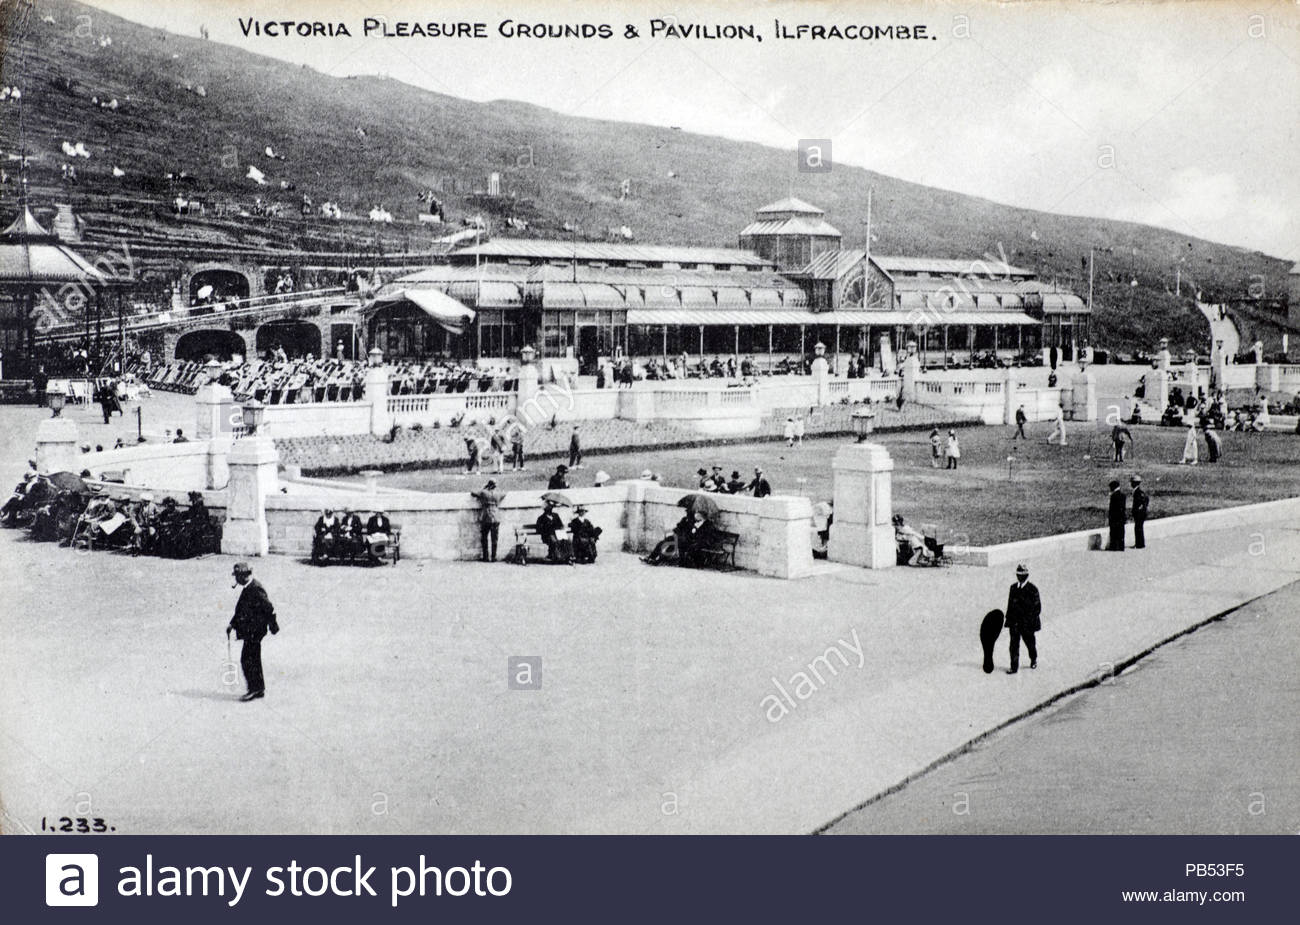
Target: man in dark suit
{"type": "Point", "coordinates": [549, 527]}
{"type": "Point", "coordinates": [1021, 420]}
{"type": "Point", "coordinates": [696, 535]}
{"type": "Point", "coordinates": [585, 534]}
{"type": "Point", "coordinates": [378, 530]}
{"type": "Point", "coordinates": [353, 533]}
{"type": "Point", "coordinates": [559, 481]}
{"type": "Point", "coordinates": [489, 519]}
{"type": "Point", "coordinates": [1116, 517]}
{"type": "Point", "coordinates": [254, 615]}
{"type": "Point", "coordinates": [1140, 505]}
{"type": "Point", "coordinates": [1024, 609]}
{"type": "Point", "coordinates": [759, 486]}
{"type": "Point", "coordinates": [379, 523]}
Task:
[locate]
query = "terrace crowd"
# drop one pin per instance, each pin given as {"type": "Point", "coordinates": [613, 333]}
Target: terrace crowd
{"type": "Point", "coordinates": [278, 380]}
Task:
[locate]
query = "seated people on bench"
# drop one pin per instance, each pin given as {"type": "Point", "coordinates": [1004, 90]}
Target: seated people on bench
{"type": "Point", "coordinates": [549, 527]}
{"type": "Point", "coordinates": [378, 530]}
{"type": "Point", "coordinates": [112, 528]}
{"type": "Point", "coordinates": [585, 534]}
{"type": "Point", "coordinates": [823, 519]}
{"type": "Point", "coordinates": [911, 543]}
{"type": "Point", "coordinates": [198, 512]}
{"type": "Point", "coordinates": [353, 533]}
{"type": "Point", "coordinates": [698, 536]}
{"type": "Point", "coordinates": [668, 550]}
{"type": "Point", "coordinates": [147, 517]}
{"type": "Point", "coordinates": [326, 535]}
{"type": "Point", "coordinates": [101, 506]}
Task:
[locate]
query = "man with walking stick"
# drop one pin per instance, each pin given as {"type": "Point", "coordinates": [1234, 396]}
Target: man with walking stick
{"type": "Point", "coordinates": [254, 615]}
{"type": "Point", "coordinates": [1024, 610]}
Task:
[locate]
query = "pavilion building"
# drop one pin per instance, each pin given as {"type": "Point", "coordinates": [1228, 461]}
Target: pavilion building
{"type": "Point", "coordinates": [789, 285]}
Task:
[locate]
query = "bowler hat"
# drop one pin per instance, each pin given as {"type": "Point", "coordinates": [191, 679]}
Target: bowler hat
{"type": "Point", "coordinates": [1021, 569]}
{"type": "Point", "coordinates": [1114, 483]}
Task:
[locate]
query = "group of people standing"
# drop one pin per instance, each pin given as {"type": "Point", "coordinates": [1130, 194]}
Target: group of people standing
{"type": "Point", "coordinates": [499, 444]}
{"type": "Point", "coordinates": [1058, 425]}
{"type": "Point", "coordinates": [949, 450]}
{"type": "Point", "coordinates": [1117, 515]}
{"type": "Point", "coordinates": [579, 548]}
{"type": "Point", "coordinates": [715, 482]}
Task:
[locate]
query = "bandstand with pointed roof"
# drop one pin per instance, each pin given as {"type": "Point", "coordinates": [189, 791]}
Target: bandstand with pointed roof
{"type": "Point", "coordinates": [43, 284]}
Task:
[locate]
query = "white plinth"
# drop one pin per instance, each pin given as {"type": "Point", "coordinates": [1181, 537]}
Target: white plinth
{"type": "Point", "coordinates": [863, 531]}
{"type": "Point", "coordinates": [1010, 394]}
{"type": "Point", "coordinates": [381, 422]}
{"type": "Point", "coordinates": [821, 378]}
{"type": "Point", "coordinates": [56, 446]}
{"type": "Point", "coordinates": [1084, 396]}
{"type": "Point", "coordinates": [253, 463]}
{"type": "Point", "coordinates": [214, 411]}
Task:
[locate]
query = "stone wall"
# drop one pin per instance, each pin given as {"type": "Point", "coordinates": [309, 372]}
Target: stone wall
{"type": "Point", "coordinates": [440, 526]}
{"type": "Point", "coordinates": [774, 531]}
{"type": "Point", "coordinates": [192, 464]}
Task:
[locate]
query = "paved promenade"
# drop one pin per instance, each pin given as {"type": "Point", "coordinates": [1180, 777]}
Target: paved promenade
{"type": "Point", "coordinates": [388, 707]}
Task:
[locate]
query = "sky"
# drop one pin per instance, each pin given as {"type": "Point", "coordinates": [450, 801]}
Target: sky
{"type": "Point", "coordinates": [1183, 115]}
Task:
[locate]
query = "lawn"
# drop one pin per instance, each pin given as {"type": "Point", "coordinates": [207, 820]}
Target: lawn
{"type": "Point", "coordinates": [1042, 490]}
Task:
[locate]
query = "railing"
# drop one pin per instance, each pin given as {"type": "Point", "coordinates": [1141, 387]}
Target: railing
{"type": "Point", "coordinates": [737, 397]}
{"type": "Point", "coordinates": [489, 400]}
{"type": "Point", "coordinates": [681, 398]}
{"type": "Point", "coordinates": [408, 404]}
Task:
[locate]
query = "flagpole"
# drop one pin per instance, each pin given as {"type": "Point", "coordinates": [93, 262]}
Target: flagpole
{"type": "Point", "coordinates": [1091, 255]}
{"type": "Point", "coordinates": [866, 261]}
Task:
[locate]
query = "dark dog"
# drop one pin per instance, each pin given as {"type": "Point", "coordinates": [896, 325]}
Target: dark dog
{"type": "Point", "coordinates": [990, 630]}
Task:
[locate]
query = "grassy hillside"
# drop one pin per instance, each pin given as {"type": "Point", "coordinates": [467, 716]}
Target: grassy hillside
{"type": "Point", "coordinates": [555, 168]}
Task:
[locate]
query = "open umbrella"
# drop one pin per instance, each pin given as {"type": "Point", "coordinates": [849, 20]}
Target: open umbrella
{"type": "Point", "coordinates": [68, 481]}
{"type": "Point", "coordinates": [699, 503]}
{"type": "Point", "coordinates": [557, 497]}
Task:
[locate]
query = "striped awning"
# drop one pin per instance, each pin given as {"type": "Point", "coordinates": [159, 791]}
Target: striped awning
{"type": "Point", "coordinates": [885, 318]}
{"type": "Point", "coordinates": [719, 316]}
{"type": "Point", "coordinates": [975, 318]}
{"type": "Point", "coordinates": [1063, 303]}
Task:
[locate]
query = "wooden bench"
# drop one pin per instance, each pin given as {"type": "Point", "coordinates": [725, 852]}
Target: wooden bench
{"type": "Point", "coordinates": [529, 542]}
{"type": "Point", "coordinates": [720, 551]}
{"type": "Point", "coordinates": [392, 552]}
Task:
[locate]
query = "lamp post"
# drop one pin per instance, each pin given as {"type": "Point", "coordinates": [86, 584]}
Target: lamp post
{"type": "Point", "coordinates": [253, 412]}
{"type": "Point", "coordinates": [213, 369]}
{"type": "Point", "coordinates": [375, 358]}
{"type": "Point", "coordinates": [529, 375]}
{"type": "Point", "coordinates": [56, 400]}
{"type": "Point", "coordinates": [864, 422]}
